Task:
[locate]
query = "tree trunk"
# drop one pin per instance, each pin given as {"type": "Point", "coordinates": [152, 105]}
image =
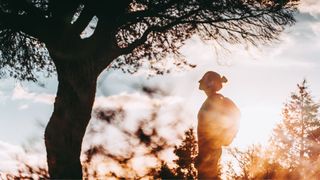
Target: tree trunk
{"type": "Point", "coordinates": [71, 115]}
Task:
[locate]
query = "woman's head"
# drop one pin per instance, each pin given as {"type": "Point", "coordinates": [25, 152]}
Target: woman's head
{"type": "Point", "coordinates": [211, 82]}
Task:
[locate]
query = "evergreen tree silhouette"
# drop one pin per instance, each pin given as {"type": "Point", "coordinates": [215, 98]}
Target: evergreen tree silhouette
{"type": "Point", "coordinates": [293, 138]}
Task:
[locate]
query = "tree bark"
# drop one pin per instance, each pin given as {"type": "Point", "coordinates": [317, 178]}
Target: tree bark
{"type": "Point", "coordinates": [71, 115]}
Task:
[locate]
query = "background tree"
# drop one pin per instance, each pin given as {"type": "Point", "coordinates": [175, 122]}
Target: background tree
{"type": "Point", "coordinates": [294, 138]}
{"type": "Point", "coordinates": [37, 34]}
{"type": "Point", "coordinates": [186, 154]}
{"type": "Point", "coordinates": [254, 162]}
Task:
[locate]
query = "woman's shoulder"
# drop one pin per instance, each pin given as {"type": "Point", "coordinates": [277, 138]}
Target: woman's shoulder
{"type": "Point", "coordinates": [222, 100]}
{"type": "Point", "coordinates": [216, 97]}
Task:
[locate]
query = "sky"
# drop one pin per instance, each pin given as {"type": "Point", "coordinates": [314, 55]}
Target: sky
{"type": "Point", "coordinates": [260, 80]}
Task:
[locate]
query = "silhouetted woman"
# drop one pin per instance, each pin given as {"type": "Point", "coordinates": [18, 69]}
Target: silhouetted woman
{"type": "Point", "coordinates": [218, 123]}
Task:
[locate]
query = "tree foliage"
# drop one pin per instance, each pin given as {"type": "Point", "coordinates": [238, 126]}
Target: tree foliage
{"type": "Point", "coordinates": [255, 163]}
{"type": "Point", "coordinates": [136, 29]}
{"type": "Point", "coordinates": [23, 57]}
{"type": "Point", "coordinates": [186, 154]}
{"type": "Point", "coordinates": [293, 138]}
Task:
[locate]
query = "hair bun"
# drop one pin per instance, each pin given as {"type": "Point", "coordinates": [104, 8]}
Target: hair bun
{"type": "Point", "coordinates": [224, 79]}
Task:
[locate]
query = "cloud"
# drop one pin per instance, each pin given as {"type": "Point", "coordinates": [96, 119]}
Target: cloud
{"type": "Point", "coordinates": [20, 93]}
{"type": "Point", "coordinates": [23, 106]}
{"type": "Point", "coordinates": [113, 82]}
{"type": "Point", "coordinates": [153, 125]}
{"type": "Point", "coordinates": [310, 6]}
{"type": "Point", "coordinates": [12, 157]}
{"type": "Point", "coordinates": [316, 27]}
{"type": "Point", "coordinates": [3, 97]}
{"type": "Point", "coordinates": [139, 107]}
{"type": "Point", "coordinates": [298, 48]}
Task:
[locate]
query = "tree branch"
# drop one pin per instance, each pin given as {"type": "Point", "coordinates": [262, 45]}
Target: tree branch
{"type": "Point", "coordinates": [151, 29]}
{"type": "Point", "coordinates": [83, 20]}
{"type": "Point", "coordinates": [135, 16]}
{"type": "Point", "coordinates": [28, 8]}
{"type": "Point", "coordinates": [181, 20]}
{"type": "Point", "coordinates": [32, 25]}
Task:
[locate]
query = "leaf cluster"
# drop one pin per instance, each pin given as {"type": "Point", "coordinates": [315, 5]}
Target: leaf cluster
{"type": "Point", "coordinates": [140, 31]}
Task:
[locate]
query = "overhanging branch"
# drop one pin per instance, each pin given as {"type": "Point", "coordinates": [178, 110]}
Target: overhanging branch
{"type": "Point", "coordinates": [184, 20]}
{"type": "Point", "coordinates": [83, 20]}
{"type": "Point", "coordinates": [24, 23]}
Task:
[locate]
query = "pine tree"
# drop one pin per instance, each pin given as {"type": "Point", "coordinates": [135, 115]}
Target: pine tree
{"type": "Point", "coordinates": [187, 153]}
{"type": "Point", "coordinates": [291, 137]}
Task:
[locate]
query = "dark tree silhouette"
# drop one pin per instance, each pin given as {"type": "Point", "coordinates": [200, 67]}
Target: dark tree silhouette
{"type": "Point", "coordinates": [35, 34]}
{"type": "Point", "coordinates": [186, 154]}
{"type": "Point", "coordinates": [165, 172]}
